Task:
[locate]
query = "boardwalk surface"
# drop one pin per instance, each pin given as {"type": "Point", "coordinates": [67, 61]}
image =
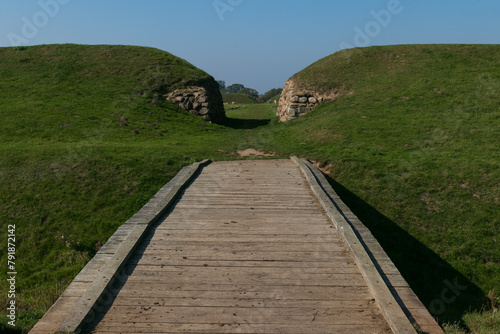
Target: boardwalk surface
{"type": "Point", "coordinates": [246, 249]}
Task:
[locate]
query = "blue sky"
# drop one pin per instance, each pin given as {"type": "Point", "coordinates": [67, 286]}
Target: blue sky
{"type": "Point", "coordinates": [258, 43]}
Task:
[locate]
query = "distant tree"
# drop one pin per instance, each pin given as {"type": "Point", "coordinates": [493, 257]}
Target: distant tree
{"type": "Point", "coordinates": [222, 85]}
{"type": "Point", "coordinates": [270, 94]}
{"type": "Point", "coordinates": [234, 88]}
{"type": "Point", "coordinates": [251, 93]}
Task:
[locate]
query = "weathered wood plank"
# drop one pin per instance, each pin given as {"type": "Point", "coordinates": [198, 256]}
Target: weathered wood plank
{"type": "Point", "coordinates": [260, 225]}
{"type": "Point", "coordinates": [245, 256]}
{"type": "Point", "coordinates": [249, 291]}
{"type": "Point", "coordinates": [268, 271]}
{"type": "Point", "coordinates": [55, 315]}
{"type": "Point", "coordinates": [254, 290]}
{"type": "Point", "coordinates": [207, 315]}
{"type": "Point", "coordinates": [239, 264]}
{"type": "Point", "coordinates": [241, 302]}
{"type": "Point", "coordinates": [243, 328]}
{"type": "Point", "coordinates": [190, 246]}
{"type": "Point", "coordinates": [265, 236]}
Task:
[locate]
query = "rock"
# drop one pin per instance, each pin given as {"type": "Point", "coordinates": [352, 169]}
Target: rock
{"type": "Point", "coordinates": [296, 101]}
{"type": "Point", "coordinates": [203, 99]}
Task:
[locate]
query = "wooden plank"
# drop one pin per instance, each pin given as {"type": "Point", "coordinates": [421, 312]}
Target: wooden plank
{"type": "Point", "coordinates": [239, 264]}
{"type": "Point", "coordinates": [243, 328]}
{"type": "Point", "coordinates": [245, 256]}
{"type": "Point", "coordinates": [240, 302]}
{"type": "Point", "coordinates": [194, 246]}
{"type": "Point", "coordinates": [319, 280]}
{"type": "Point", "coordinates": [257, 224]}
{"type": "Point", "coordinates": [225, 273]}
{"type": "Point", "coordinates": [265, 236]}
{"type": "Point", "coordinates": [55, 315]}
{"type": "Point", "coordinates": [249, 291]}
{"type": "Point", "coordinates": [256, 315]}
{"type": "Point", "coordinates": [243, 227]}
{"type": "Point", "coordinates": [206, 270]}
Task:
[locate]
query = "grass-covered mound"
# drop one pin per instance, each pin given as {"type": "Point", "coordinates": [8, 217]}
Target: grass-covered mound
{"type": "Point", "coordinates": [82, 149]}
{"type": "Point", "coordinates": [412, 145]}
{"type": "Point", "coordinates": [237, 98]}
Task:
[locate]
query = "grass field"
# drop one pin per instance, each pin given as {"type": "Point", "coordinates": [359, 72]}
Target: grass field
{"type": "Point", "coordinates": [237, 98]}
{"type": "Point", "coordinates": [411, 147]}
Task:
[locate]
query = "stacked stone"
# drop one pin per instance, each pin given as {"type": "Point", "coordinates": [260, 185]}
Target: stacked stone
{"type": "Point", "coordinates": [295, 103]}
{"type": "Point", "coordinates": [301, 103]}
{"type": "Point", "coordinates": [199, 101]}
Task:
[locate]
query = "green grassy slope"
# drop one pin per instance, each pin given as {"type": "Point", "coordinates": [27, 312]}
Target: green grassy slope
{"type": "Point", "coordinates": [82, 149]}
{"type": "Point", "coordinates": [53, 82]}
{"type": "Point", "coordinates": [412, 145]}
{"type": "Point", "coordinates": [237, 98]}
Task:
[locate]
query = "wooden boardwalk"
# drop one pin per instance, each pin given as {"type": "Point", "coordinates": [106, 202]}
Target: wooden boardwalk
{"type": "Point", "coordinates": [247, 248]}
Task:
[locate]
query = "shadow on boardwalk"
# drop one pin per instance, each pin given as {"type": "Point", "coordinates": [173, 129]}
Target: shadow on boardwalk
{"type": "Point", "coordinates": [445, 292]}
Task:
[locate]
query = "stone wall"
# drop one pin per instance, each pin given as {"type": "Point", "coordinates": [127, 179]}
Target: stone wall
{"type": "Point", "coordinates": [295, 101]}
{"type": "Point", "coordinates": [204, 100]}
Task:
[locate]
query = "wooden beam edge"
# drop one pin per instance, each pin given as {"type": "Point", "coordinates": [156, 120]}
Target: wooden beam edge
{"type": "Point", "coordinates": [393, 313]}
{"type": "Point", "coordinates": [87, 306]}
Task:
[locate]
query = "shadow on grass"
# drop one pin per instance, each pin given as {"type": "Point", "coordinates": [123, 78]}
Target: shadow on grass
{"type": "Point", "coordinates": [4, 329]}
{"type": "Point", "coordinates": [245, 124]}
{"type": "Point", "coordinates": [445, 292]}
